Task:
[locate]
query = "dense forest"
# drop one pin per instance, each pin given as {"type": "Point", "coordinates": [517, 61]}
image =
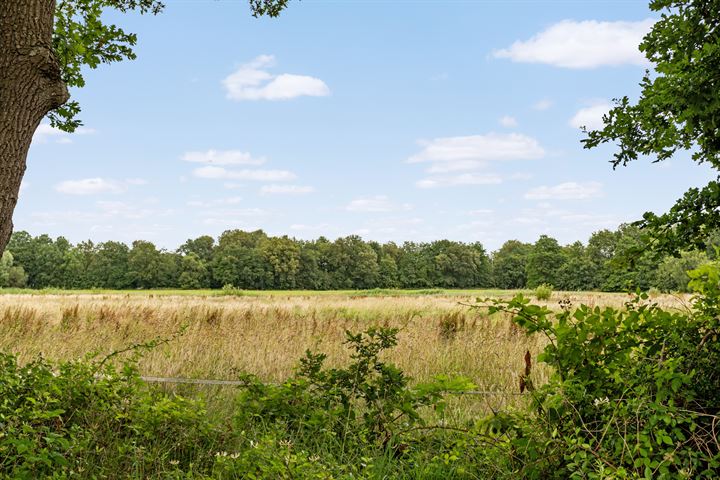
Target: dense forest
{"type": "Point", "coordinates": [254, 260]}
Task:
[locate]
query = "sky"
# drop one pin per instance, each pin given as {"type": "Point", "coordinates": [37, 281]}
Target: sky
{"type": "Point", "coordinates": [392, 120]}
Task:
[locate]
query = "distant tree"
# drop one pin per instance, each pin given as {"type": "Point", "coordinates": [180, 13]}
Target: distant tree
{"type": "Point", "coordinates": [109, 266]}
{"type": "Point", "coordinates": [640, 273]}
{"type": "Point", "coordinates": [600, 251]}
{"type": "Point", "coordinates": [509, 265]}
{"type": "Point", "coordinates": [149, 267]}
{"type": "Point", "coordinates": [389, 273]}
{"type": "Point", "coordinates": [283, 258]}
{"type": "Point", "coordinates": [544, 262]}
{"type": "Point", "coordinates": [353, 263]}
{"type": "Point", "coordinates": [414, 266]}
{"type": "Point", "coordinates": [457, 265]}
{"type": "Point", "coordinates": [672, 272]}
{"type": "Point", "coordinates": [194, 273]}
{"type": "Point", "coordinates": [11, 275]}
{"type": "Point", "coordinates": [202, 247]}
{"type": "Point", "coordinates": [578, 272]}
{"type": "Point", "coordinates": [310, 276]}
{"type": "Point", "coordinates": [238, 261]}
{"type": "Point", "coordinates": [41, 257]}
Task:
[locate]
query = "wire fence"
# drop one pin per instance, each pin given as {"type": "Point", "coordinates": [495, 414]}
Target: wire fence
{"type": "Point", "coordinates": [238, 383]}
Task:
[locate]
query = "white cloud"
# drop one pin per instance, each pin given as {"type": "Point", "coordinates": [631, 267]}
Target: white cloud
{"type": "Point", "coordinates": [591, 116]}
{"type": "Point", "coordinates": [508, 121]}
{"type": "Point", "coordinates": [566, 191]}
{"type": "Point", "coordinates": [253, 82]}
{"type": "Point", "coordinates": [459, 180]}
{"type": "Point", "coordinates": [543, 104]}
{"type": "Point", "coordinates": [223, 157]}
{"type": "Point", "coordinates": [90, 186]}
{"type": "Point", "coordinates": [103, 212]}
{"type": "Point", "coordinates": [582, 44]}
{"type": "Point", "coordinates": [214, 203]}
{"type": "Point", "coordinates": [456, 166]}
{"type": "Point", "coordinates": [377, 203]}
{"type": "Point", "coordinates": [479, 148]}
{"type": "Point", "coordinates": [212, 172]}
{"type": "Point", "coordinates": [45, 132]}
{"type": "Point", "coordinates": [286, 189]}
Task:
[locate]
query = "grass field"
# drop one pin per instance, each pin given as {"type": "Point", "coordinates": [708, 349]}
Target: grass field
{"type": "Point", "coordinates": [265, 333]}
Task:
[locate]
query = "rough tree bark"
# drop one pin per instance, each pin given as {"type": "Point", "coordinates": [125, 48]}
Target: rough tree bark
{"type": "Point", "coordinates": [30, 87]}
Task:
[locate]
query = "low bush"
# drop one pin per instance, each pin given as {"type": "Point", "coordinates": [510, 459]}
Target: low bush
{"type": "Point", "coordinates": [543, 292]}
{"type": "Point", "coordinates": [635, 392]}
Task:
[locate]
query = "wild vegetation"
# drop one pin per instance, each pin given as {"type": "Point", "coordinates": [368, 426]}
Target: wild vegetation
{"type": "Point", "coordinates": [622, 391]}
{"type": "Point", "coordinates": [377, 404]}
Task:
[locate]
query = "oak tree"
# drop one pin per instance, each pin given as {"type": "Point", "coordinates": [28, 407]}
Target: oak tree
{"type": "Point", "coordinates": [45, 45]}
{"type": "Point", "coordinates": [678, 110]}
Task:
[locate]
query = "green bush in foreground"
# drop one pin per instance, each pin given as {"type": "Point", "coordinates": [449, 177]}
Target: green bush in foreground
{"type": "Point", "coordinates": [635, 394]}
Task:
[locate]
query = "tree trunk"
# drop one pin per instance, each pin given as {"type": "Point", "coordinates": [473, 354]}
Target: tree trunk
{"type": "Point", "coordinates": [30, 87]}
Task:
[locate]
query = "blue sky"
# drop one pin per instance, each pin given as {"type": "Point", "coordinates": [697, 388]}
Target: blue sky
{"type": "Point", "coordinates": [401, 120]}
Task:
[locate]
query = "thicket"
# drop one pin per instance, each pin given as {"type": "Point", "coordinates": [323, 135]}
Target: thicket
{"type": "Point", "coordinates": [635, 393]}
{"type": "Point", "coordinates": [253, 260]}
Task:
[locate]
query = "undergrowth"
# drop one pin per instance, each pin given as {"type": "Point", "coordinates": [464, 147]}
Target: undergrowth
{"type": "Point", "coordinates": [635, 393]}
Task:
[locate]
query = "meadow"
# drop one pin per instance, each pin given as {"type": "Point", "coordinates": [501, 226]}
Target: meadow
{"type": "Point", "coordinates": [463, 401]}
{"type": "Point", "coordinates": [266, 333]}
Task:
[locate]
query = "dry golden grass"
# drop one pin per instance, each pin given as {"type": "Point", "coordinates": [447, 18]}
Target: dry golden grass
{"type": "Point", "coordinates": [266, 335]}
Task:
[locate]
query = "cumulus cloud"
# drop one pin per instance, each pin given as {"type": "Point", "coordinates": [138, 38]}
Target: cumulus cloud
{"type": "Point", "coordinates": [479, 148]}
{"type": "Point", "coordinates": [465, 154]}
{"type": "Point", "coordinates": [591, 117]}
{"type": "Point", "coordinates": [508, 122]}
{"type": "Point", "coordinates": [566, 191]}
{"type": "Point", "coordinates": [377, 203]}
{"type": "Point", "coordinates": [252, 81]}
{"type": "Point", "coordinates": [95, 186]}
{"type": "Point", "coordinates": [223, 157]}
{"type": "Point", "coordinates": [286, 189]}
{"type": "Point", "coordinates": [459, 180]}
{"type": "Point", "coordinates": [582, 44]}
{"type": "Point", "coordinates": [45, 133]}
{"type": "Point", "coordinates": [212, 172]}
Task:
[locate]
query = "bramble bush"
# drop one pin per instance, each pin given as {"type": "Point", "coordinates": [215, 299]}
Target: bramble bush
{"type": "Point", "coordinates": [635, 392]}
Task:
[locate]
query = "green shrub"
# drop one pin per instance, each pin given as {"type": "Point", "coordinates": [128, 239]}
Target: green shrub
{"type": "Point", "coordinates": [61, 420]}
{"type": "Point", "coordinates": [91, 419]}
{"type": "Point", "coordinates": [635, 392]}
{"type": "Point", "coordinates": [369, 401]}
{"type": "Point", "coordinates": [543, 292]}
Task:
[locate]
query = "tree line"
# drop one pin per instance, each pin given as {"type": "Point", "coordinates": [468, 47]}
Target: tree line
{"type": "Point", "coordinates": [254, 260]}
